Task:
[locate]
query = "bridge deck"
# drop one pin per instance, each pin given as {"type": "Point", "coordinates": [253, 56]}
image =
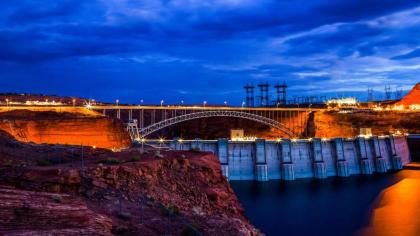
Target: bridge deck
{"type": "Point", "coordinates": [171, 107]}
{"type": "Point", "coordinates": [113, 107]}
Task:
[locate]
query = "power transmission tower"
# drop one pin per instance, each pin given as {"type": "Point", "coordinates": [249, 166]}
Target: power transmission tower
{"type": "Point", "coordinates": [249, 91]}
{"type": "Point", "coordinates": [370, 95]}
{"type": "Point", "coordinates": [281, 94]}
{"type": "Point", "coordinates": [264, 101]}
{"type": "Point", "coordinates": [398, 93]}
{"type": "Point", "coordinates": [387, 92]}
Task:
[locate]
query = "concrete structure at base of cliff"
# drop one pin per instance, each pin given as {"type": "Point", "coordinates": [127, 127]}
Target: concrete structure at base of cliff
{"type": "Point", "coordinates": [287, 159]}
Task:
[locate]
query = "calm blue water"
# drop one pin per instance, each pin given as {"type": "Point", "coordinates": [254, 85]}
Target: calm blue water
{"type": "Point", "coordinates": [334, 206]}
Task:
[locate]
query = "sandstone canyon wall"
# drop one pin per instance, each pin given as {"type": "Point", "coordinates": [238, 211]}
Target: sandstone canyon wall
{"type": "Point", "coordinates": [330, 124]}
{"type": "Point", "coordinates": [54, 127]}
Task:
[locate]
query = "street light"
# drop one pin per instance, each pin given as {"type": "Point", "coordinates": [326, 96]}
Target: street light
{"type": "Point", "coordinates": [243, 104]}
{"type": "Point", "coordinates": [74, 102]}
{"type": "Point", "coordinates": [161, 140]}
{"type": "Point", "coordinates": [7, 102]}
{"type": "Point", "coordinates": [204, 103]}
{"type": "Point", "coordinates": [117, 101]}
{"type": "Point", "coordinates": [182, 102]}
{"type": "Point", "coordinates": [142, 140]}
{"type": "Point", "coordinates": [161, 102]}
{"type": "Point", "coordinates": [181, 141]}
{"type": "Point", "coordinates": [225, 102]}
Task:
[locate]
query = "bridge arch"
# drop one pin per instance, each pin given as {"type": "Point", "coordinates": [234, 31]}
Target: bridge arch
{"type": "Point", "coordinates": [218, 113]}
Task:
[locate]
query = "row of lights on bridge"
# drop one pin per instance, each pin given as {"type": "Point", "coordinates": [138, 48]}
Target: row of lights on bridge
{"type": "Point", "coordinates": [117, 101]}
{"type": "Point", "coordinates": [91, 102]}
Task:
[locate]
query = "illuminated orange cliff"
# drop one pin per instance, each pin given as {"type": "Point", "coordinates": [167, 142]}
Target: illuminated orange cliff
{"type": "Point", "coordinates": [412, 98]}
{"type": "Point", "coordinates": [74, 127]}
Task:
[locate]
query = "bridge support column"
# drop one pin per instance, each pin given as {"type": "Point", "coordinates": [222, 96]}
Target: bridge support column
{"type": "Point", "coordinates": [223, 154]}
{"type": "Point", "coordinates": [366, 166]}
{"type": "Point", "coordinates": [320, 170]}
{"type": "Point", "coordinates": [261, 170]}
{"type": "Point", "coordinates": [396, 160]}
{"type": "Point", "coordinates": [380, 162]}
{"type": "Point", "coordinates": [287, 168]}
{"type": "Point", "coordinates": [342, 165]}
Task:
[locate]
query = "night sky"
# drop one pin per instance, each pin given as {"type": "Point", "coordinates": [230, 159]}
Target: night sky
{"type": "Point", "coordinates": [200, 50]}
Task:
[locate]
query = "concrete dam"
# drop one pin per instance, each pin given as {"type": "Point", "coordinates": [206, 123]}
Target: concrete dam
{"type": "Point", "coordinates": [290, 159]}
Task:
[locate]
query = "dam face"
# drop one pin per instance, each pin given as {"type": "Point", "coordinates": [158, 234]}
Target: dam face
{"type": "Point", "coordinates": [287, 159]}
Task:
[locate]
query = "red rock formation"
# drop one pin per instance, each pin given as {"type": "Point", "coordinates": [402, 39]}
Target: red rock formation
{"type": "Point", "coordinates": [39, 213]}
{"type": "Point", "coordinates": [64, 128]}
{"type": "Point", "coordinates": [330, 124]}
{"type": "Point", "coordinates": [144, 194]}
{"type": "Point", "coordinates": [413, 97]}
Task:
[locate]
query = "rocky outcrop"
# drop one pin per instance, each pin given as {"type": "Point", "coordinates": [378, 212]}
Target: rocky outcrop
{"type": "Point", "coordinates": [39, 213]}
{"type": "Point", "coordinates": [150, 193]}
{"type": "Point", "coordinates": [64, 128]}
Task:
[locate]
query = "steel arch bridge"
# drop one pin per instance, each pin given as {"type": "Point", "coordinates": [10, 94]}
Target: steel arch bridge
{"type": "Point", "coordinates": [143, 132]}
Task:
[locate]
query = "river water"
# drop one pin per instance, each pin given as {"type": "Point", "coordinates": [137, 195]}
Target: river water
{"type": "Point", "coordinates": [333, 206]}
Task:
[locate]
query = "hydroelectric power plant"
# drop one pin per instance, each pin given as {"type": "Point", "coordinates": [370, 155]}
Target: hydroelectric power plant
{"type": "Point", "coordinates": [287, 159]}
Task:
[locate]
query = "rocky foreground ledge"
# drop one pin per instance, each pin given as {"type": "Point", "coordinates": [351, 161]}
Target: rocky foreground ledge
{"type": "Point", "coordinates": [51, 189]}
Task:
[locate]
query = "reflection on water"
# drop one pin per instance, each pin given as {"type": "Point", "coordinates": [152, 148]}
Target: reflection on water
{"type": "Point", "coordinates": [364, 205]}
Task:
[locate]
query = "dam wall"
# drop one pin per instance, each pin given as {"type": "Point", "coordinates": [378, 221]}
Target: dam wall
{"type": "Point", "coordinates": [290, 159]}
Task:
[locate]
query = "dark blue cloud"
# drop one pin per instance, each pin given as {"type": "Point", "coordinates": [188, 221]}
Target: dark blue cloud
{"type": "Point", "coordinates": [197, 49]}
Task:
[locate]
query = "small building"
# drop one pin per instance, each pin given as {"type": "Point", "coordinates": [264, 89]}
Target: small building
{"type": "Point", "coordinates": [237, 134]}
{"type": "Point", "coordinates": [343, 102]}
{"type": "Point", "coordinates": [367, 132]}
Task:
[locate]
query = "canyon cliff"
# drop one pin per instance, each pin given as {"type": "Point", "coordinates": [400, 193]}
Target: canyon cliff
{"type": "Point", "coordinates": [75, 127]}
{"type": "Point", "coordinates": [330, 124]}
{"type": "Point", "coordinates": [133, 192]}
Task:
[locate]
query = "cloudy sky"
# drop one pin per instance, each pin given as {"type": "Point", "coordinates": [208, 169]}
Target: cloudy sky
{"type": "Point", "coordinates": [195, 50]}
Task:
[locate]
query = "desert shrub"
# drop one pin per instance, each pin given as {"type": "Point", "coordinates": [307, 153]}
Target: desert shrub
{"type": "Point", "coordinates": [56, 199]}
{"type": "Point", "coordinates": [164, 211]}
{"type": "Point", "coordinates": [44, 162]}
{"type": "Point", "coordinates": [174, 209]}
{"type": "Point", "coordinates": [25, 209]}
{"type": "Point", "coordinates": [124, 215]}
{"type": "Point", "coordinates": [191, 230]}
{"type": "Point", "coordinates": [195, 149]}
{"type": "Point", "coordinates": [7, 163]}
{"type": "Point", "coordinates": [169, 211]}
{"type": "Point", "coordinates": [133, 159]}
{"type": "Point", "coordinates": [120, 230]}
{"type": "Point", "coordinates": [110, 161]}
